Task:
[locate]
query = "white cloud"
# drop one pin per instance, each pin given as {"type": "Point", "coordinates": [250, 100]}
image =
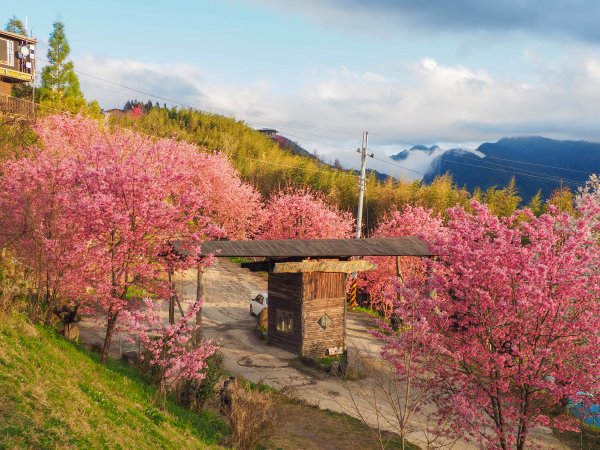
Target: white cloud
{"type": "Point", "coordinates": [429, 103]}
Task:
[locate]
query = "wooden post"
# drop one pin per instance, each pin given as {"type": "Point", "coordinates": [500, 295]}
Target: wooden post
{"type": "Point", "coordinates": [171, 297]}
{"type": "Point", "coordinates": [395, 321]}
{"type": "Point", "coordinates": [398, 271]}
{"type": "Point", "coordinates": [199, 294]}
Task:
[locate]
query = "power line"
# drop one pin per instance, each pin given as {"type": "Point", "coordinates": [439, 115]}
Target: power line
{"type": "Point", "coordinates": [313, 140]}
{"type": "Point", "coordinates": [472, 157]}
{"type": "Point", "coordinates": [203, 108]}
{"type": "Point", "coordinates": [398, 165]}
{"type": "Point", "coordinates": [516, 173]}
{"type": "Point", "coordinates": [541, 165]}
{"type": "Point", "coordinates": [412, 144]}
{"type": "Point", "coordinates": [521, 172]}
{"type": "Point", "coordinates": [306, 169]}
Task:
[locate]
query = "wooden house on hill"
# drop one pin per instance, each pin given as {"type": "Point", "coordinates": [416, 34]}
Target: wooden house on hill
{"type": "Point", "coordinates": [17, 60]}
{"type": "Point", "coordinates": [17, 65]}
{"type": "Point", "coordinates": [269, 132]}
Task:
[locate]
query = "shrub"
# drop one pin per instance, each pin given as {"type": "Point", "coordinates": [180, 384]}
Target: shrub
{"type": "Point", "coordinates": [251, 416]}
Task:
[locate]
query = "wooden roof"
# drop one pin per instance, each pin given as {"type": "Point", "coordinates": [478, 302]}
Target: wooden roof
{"type": "Point", "coordinates": [318, 248]}
{"type": "Point", "coordinates": [17, 36]}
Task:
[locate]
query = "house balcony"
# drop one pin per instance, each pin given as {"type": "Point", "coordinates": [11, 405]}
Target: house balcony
{"type": "Point", "coordinates": [11, 75]}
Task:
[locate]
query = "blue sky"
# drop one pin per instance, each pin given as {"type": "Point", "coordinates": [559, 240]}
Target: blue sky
{"type": "Point", "coordinates": [456, 73]}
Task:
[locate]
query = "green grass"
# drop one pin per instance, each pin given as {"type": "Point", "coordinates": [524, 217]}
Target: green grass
{"type": "Point", "coordinates": [368, 311]}
{"type": "Point", "coordinates": [239, 259]}
{"type": "Point", "coordinates": [327, 360]}
{"type": "Point", "coordinates": [55, 394]}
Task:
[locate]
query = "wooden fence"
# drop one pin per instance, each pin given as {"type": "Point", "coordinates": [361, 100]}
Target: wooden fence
{"type": "Point", "coordinates": [13, 106]}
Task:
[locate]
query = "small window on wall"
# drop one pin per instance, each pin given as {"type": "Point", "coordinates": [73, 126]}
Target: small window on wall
{"type": "Point", "coordinates": [4, 53]}
{"type": "Point", "coordinates": [285, 321]}
{"type": "Point", "coordinates": [11, 53]}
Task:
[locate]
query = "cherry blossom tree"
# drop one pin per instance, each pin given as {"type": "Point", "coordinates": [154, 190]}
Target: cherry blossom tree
{"type": "Point", "coordinates": [299, 213]}
{"type": "Point", "coordinates": [512, 310]}
{"type": "Point", "coordinates": [34, 205]}
{"type": "Point", "coordinates": [591, 192]}
{"type": "Point", "coordinates": [380, 283]}
{"type": "Point", "coordinates": [591, 188]}
{"type": "Point", "coordinates": [231, 204]}
{"type": "Point", "coordinates": [169, 347]}
{"type": "Point", "coordinates": [112, 201]}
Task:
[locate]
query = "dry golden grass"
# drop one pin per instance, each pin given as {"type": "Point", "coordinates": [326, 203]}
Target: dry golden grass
{"type": "Point", "coordinates": [251, 416]}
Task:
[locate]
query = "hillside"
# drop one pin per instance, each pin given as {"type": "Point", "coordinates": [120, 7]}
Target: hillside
{"type": "Point", "coordinates": [263, 163]}
{"type": "Point", "coordinates": [56, 394]}
{"type": "Point", "coordinates": [536, 163]}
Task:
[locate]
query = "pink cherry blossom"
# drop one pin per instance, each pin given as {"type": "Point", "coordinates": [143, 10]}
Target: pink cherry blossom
{"type": "Point", "coordinates": [511, 310]}
{"type": "Point", "coordinates": [299, 213]}
{"type": "Point", "coordinates": [380, 283]}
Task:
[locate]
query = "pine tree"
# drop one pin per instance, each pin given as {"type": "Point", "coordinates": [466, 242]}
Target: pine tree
{"type": "Point", "coordinates": [59, 80]}
{"type": "Point", "coordinates": [535, 204]}
{"type": "Point", "coordinates": [562, 198]}
{"type": "Point", "coordinates": [503, 202]}
{"type": "Point", "coordinates": [15, 25]}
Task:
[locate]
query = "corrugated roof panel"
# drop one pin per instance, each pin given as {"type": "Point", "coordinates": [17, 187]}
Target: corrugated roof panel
{"type": "Point", "coordinates": [322, 248]}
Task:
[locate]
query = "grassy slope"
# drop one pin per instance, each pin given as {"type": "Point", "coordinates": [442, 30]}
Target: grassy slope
{"type": "Point", "coordinates": [56, 394]}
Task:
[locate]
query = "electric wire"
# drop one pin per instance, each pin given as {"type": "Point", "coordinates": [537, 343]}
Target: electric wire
{"type": "Point", "coordinates": [474, 158]}
{"type": "Point", "coordinates": [517, 171]}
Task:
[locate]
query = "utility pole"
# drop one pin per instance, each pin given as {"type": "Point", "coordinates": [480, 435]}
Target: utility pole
{"type": "Point", "coordinates": [362, 181]}
{"type": "Point", "coordinates": [352, 303]}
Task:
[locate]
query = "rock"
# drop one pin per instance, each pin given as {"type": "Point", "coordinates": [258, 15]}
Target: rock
{"type": "Point", "coordinates": [353, 368]}
{"type": "Point", "coordinates": [263, 319]}
{"type": "Point", "coordinates": [130, 357]}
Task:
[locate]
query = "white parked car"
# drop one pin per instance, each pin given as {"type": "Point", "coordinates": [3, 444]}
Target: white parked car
{"type": "Point", "coordinates": [258, 303]}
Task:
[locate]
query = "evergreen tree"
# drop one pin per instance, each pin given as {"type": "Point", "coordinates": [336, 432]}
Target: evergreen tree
{"type": "Point", "coordinates": [503, 202]}
{"type": "Point", "coordinates": [535, 204]}
{"type": "Point", "coordinates": [563, 199]}
{"type": "Point", "coordinates": [15, 25]}
{"type": "Point", "coordinates": [59, 80]}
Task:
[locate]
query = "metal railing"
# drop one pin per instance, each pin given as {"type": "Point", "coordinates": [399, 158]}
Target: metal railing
{"type": "Point", "coordinates": [16, 106]}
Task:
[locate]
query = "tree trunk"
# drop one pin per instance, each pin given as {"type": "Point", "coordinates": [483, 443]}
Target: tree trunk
{"type": "Point", "coordinates": [523, 424]}
{"type": "Point", "coordinates": [199, 294]}
{"type": "Point", "coordinates": [171, 299]}
{"type": "Point", "coordinates": [110, 326]}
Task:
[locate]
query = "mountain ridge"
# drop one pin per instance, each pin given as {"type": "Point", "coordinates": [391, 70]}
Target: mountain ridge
{"type": "Point", "coordinates": [536, 162]}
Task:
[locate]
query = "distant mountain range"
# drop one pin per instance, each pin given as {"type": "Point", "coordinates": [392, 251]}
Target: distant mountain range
{"type": "Point", "coordinates": [405, 154]}
{"type": "Point", "coordinates": [535, 162]}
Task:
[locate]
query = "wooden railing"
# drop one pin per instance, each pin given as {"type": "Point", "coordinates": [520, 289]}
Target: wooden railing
{"type": "Point", "coordinates": [14, 106]}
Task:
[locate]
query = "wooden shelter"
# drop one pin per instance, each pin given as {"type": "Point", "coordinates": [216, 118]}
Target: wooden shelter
{"type": "Point", "coordinates": [307, 284]}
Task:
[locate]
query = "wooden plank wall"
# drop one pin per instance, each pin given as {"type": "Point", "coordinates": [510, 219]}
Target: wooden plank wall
{"type": "Point", "coordinates": [285, 292]}
{"type": "Point", "coordinates": [323, 293]}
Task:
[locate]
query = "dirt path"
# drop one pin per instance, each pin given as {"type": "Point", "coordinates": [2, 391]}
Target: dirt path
{"type": "Point", "coordinates": [228, 290]}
